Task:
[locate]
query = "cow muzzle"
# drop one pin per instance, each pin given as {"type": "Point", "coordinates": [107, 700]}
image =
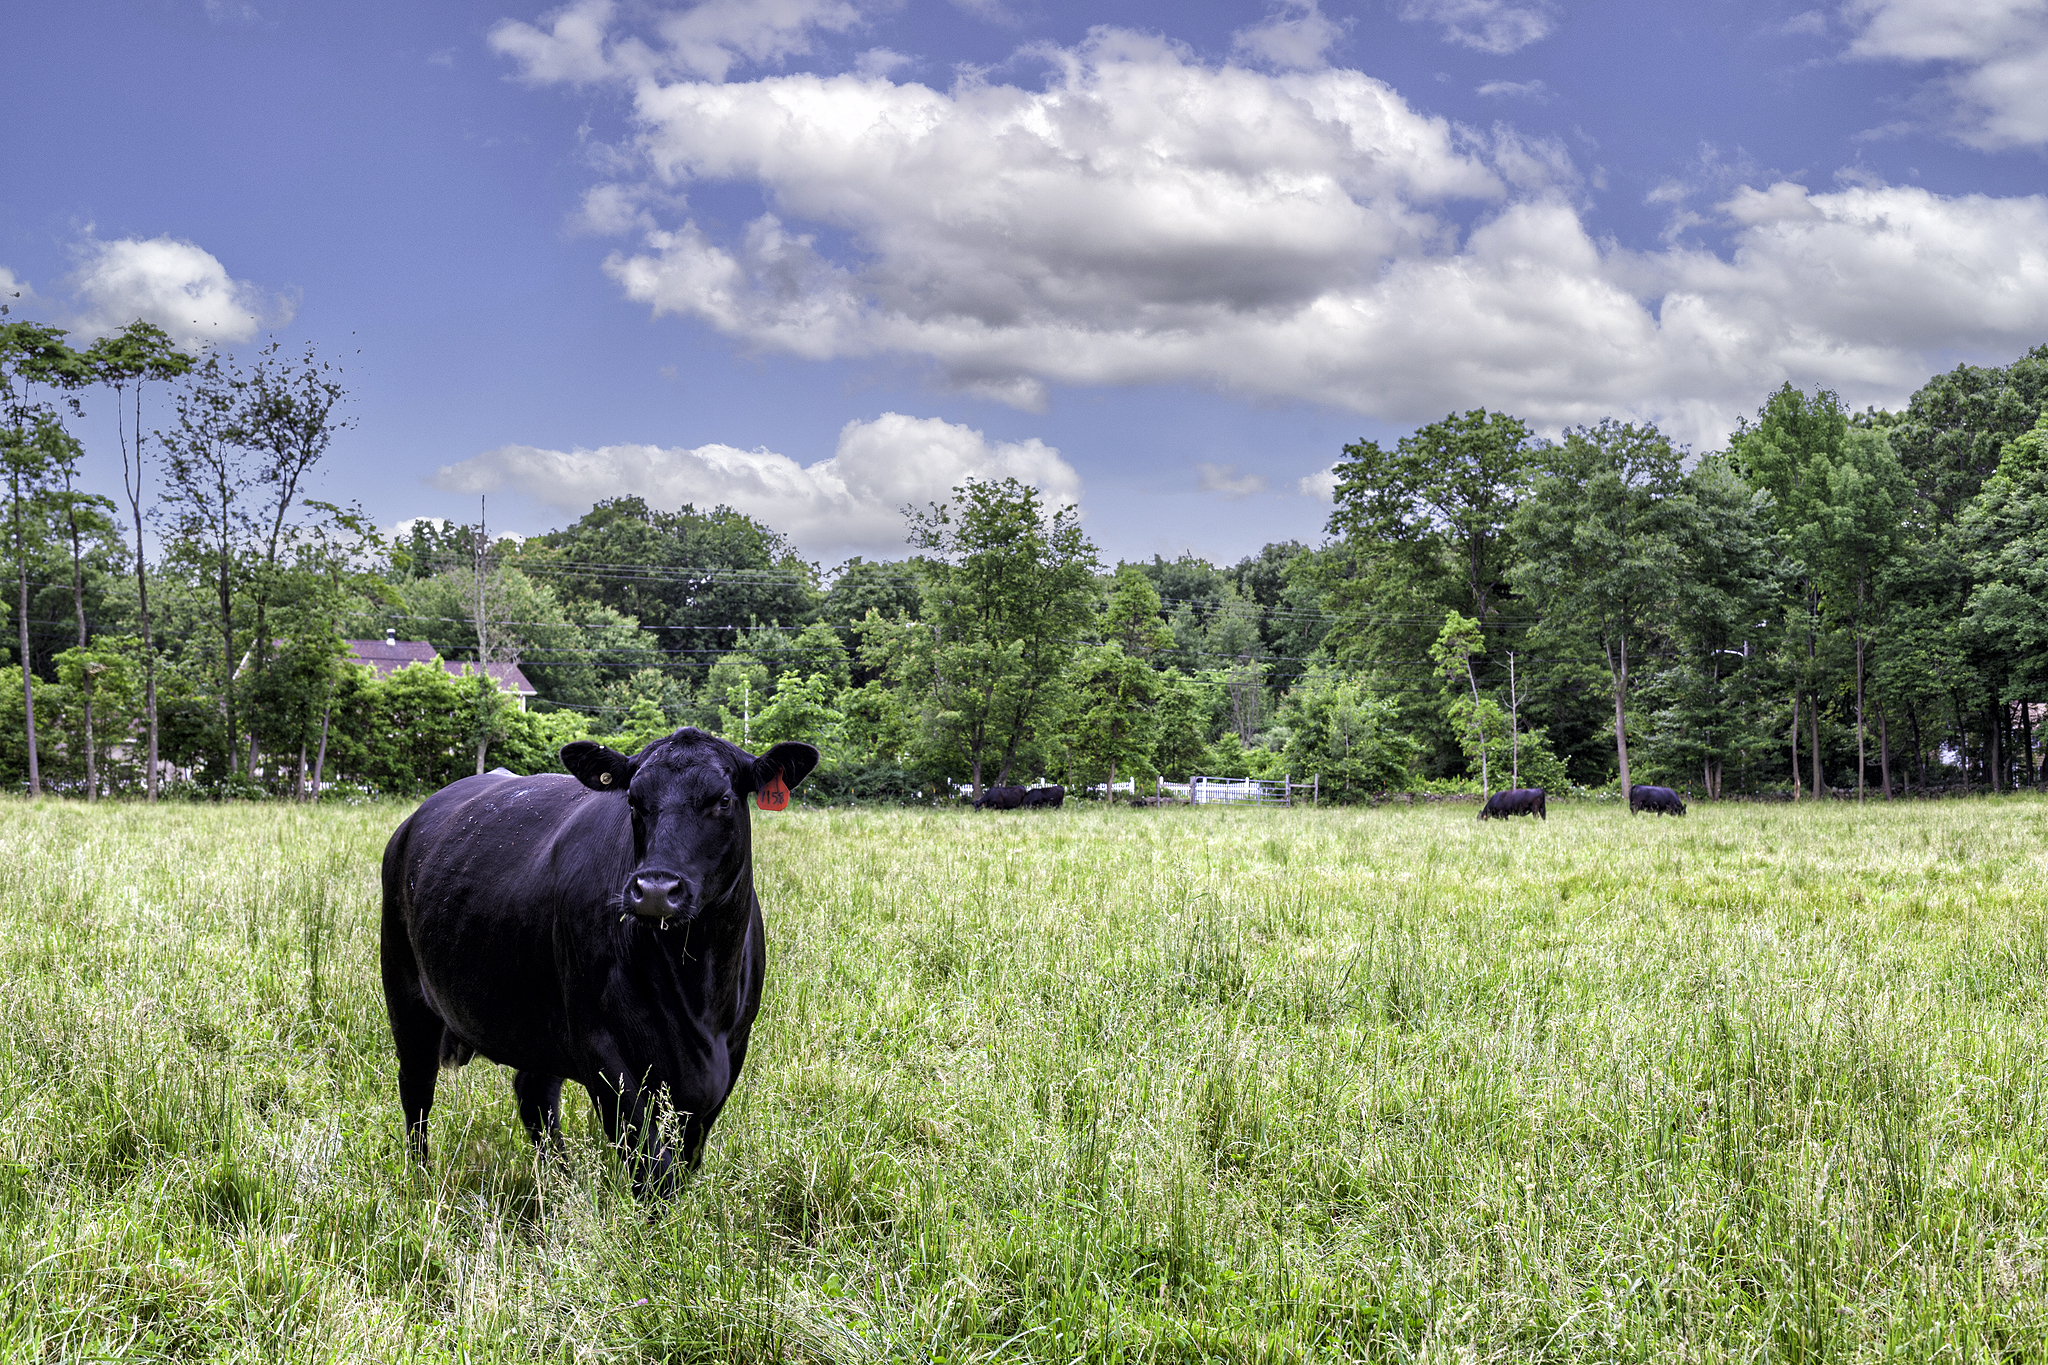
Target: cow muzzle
{"type": "Point", "coordinates": [659, 895]}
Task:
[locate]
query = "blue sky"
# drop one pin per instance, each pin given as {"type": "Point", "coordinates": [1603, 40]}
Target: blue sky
{"type": "Point", "coordinates": [819, 258]}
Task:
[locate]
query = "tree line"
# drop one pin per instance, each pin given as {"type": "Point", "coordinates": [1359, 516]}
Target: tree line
{"type": "Point", "coordinates": [1835, 601]}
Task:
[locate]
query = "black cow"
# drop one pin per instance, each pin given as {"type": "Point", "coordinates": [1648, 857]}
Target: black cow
{"type": "Point", "coordinates": [600, 928]}
{"type": "Point", "coordinates": [1657, 800]}
{"type": "Point", "coordinates": [1515, 801]}
{"type": "Point", "coordinates": [1050, 797]}
{"type": "Point", "coordinates": [1001, 798]}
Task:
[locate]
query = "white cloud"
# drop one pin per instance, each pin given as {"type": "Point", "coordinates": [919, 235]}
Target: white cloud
{"type": "Point", "coordinates": [1144, 218]}
{"type": "Point", "coordinates": [1224, 479]}
{"type": "Point", "coordinates": [178, 286]}
{"type": "Point", "coordinates": [1993, 90]}
{"type": "Point", "coordinates": [849, 504]}
{"type": "Point", "coordinates": [1321, 485]}
{"type": "Point", "coordinates": [1496, 26]}
{"type": "Point", "coordinates": [707, 39]}
{"type": "Point", "coordinates": [15, 292]}
{"type": "Point", "coordinates": [1296, 36]}
{"type": "Point", "coordinates": [1535, 90]}
{"type": "Point", "coordinates": [881, 61]}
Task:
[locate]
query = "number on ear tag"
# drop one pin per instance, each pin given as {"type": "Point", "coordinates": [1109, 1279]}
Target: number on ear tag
{"type": "Point", "coordinates": [774, 796]}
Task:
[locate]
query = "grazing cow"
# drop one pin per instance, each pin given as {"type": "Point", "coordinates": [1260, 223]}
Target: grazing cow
{"type": "Point", "coordinates": [1658, 800]}
{"type": "Point", "coordinates": [1515, 801]}
{"type": "Point", "coordinates": [1050, 797]}
{"type": "Point", "coordinates": [600, 928]}
{"type": "Point", "coordinates": [1001, 798]}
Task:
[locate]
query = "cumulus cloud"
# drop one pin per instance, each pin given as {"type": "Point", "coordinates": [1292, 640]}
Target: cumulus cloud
{"type": "Point", "coordinates": [175, 284]}
{"type": "Point", "coordinates": [1321, 485]}
{"type": "Point", "coordinates": [1296, 36]}
{"type": "Point", "coordinates": [1992, 56]}
{"type": "Point", "coordinates": [576, 45]}
{"type": "Point", "coordinates": [1496, 26]}
{"type": "Point", "coordinates": [1146, 218]}
{"type": "Point", "coordinates": [1225, 479]}
{"type": "Point", "coordinates": [851, 503]}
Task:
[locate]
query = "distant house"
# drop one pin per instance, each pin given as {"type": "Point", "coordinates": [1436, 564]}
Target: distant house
{"type": "Point", "coordinates": [390, 654]}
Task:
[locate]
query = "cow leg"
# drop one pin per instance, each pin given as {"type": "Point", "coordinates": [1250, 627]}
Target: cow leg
{"type": "Point", "coordinates": [540, 1106]}
{"type": "Point", "coordinates": [628, 1114]}
{"type": "Point", "coordinates": [418, 1033]}
{"type": "Point", "coordinates": [416, 1030]}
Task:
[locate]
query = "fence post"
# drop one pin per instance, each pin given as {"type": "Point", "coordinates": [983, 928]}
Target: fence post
{"type": "Point", "coordinates": [1287, 787]}
{"type": "Point", "coordinates": [1315, 791]}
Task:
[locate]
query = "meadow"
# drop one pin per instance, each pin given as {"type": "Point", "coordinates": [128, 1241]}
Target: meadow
{"type": "Point", "coordinates": [1765, 1083]}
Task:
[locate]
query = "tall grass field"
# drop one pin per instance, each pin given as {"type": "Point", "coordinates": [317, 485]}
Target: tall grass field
{"type": "Point", "coordinates": [1764, 1083]}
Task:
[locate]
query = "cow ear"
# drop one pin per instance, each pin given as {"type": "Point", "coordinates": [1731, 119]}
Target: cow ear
{"type": "Point", "coordinates": [596, 767]}
{"type": "Point", "coordinates": [790, 758]}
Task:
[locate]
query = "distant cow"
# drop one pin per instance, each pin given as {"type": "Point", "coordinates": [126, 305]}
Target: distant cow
{"type": "Point", "coordinates": [1515, 801]}
{"type": "Point", "coordinates": [524, 919]}
{"type": "Point", "coordinates": [1001, 798]}
{"type": "Point", "coordinates": [1657, 800]}
{"type": "Point", "coordinates": [1049, 797]}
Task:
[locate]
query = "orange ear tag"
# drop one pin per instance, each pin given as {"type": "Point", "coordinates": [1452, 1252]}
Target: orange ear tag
{"type": "Point", "coordinates": [774, 796]}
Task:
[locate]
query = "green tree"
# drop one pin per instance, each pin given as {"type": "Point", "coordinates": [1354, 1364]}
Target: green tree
{"type": "Point", "coordinates": [1857, 527]}
{"type": "Point", "coordinates": [738, 688]}
{"type": "Point", "coordinates": [1601, 537]}
{"type": "Point", "coordinates": [1131, 616]}
{"type": "Point", "coordinates": [1456, 645]}
{"type": "Point", "coordinates": [29, 457]}
{"type": "Point", "coordinates": [86, 521]}
{"type": "Point", "coordinates": [802, 709]}
{"type": "Point", "coordinates": [1006, 595]}
{"type": "Point", "coordinates": [1443, 499]}
{"type": "Point", "coordinates": [2003, 536]}
{"type": "Point", "coordinates": [139, 355]}
{"type": "Point", "coordinates": [1343, 735]}
{"type": "Point", "coordinates": [211, 489]}
{"type": "Point", "coordinates": [32, 444]}
{"type": "Point", "coordinates": [1113, 723]}
{"type": "Point", "coordinates": [1182, 716]}
{"type": "Point", "coordinates": [694, 579]}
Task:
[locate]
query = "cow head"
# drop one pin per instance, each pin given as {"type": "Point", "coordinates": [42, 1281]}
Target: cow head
{"type": "Point", "coordinates": [686, 795]}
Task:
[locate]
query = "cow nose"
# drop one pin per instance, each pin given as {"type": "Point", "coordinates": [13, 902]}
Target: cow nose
{"type": "Point", "coordinates": [655, 893]}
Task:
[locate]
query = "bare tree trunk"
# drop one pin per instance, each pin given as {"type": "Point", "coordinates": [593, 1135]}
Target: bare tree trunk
{"type": "Point", "coordinates": [28, 695]}
{"type": "Point", "coordinates": [2026, 741]}
{"type": "Point", "coordinates": [1514, 724]}
{"type": "Point", "coordinates": [1795, 746]}
{"type": "Point", "coordinates": [28, 692]}
{"type": "Point", "coordinates": [320, 763]}
{"type": "Point", "coordinates": [1884, 751]}
{"type": "Point", "coordinates": [299, 779]}
{"type": "Point", "coordinates": [1860, 759]}
{"type": "Point", "coordinates": [1813, 732]}
{"type": "Point", "coordinates": [1991, 761]}
{"type": "Point", "coordinates": [92, 772]}
{"type": "Point", "coordinates": [1617, 667]}
{"type": "Point", "coordinates": [142, 590]}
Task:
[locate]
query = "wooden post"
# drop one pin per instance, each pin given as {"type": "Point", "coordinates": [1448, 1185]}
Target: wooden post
{"type": "Point", "coordinates": [1315, 791]}
{"type": "Point", "coordinates": [1287, 786]}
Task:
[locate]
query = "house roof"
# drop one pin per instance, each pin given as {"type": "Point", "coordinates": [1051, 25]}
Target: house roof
{"type": "Point", "coordinates": [388, 656]}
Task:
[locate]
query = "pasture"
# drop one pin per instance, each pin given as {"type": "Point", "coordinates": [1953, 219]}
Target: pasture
{"type": "Point", "coordinates": [1762, 1083]}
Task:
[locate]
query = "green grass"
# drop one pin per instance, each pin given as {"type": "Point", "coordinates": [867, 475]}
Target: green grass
{"type": "Point", "coordinates": [1765, 1083]}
